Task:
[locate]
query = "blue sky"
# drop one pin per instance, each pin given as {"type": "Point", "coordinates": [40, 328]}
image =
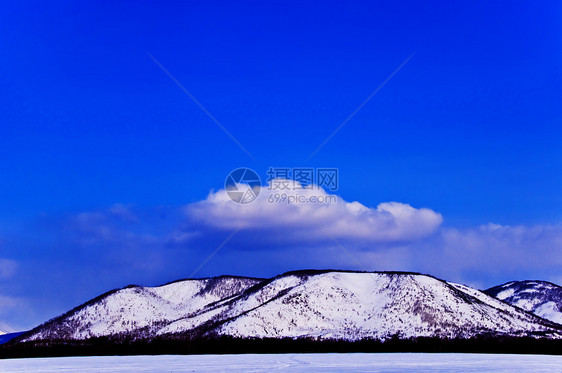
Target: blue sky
{"type": "Point", "coordinates": [101, 153]}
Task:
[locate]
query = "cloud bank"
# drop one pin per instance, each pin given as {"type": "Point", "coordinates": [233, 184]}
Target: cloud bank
{"type": "Point", "coordinates": [494, 253]}
{"type": "Point", "coordinates": [308, 221]}
{"type": "Point", "coordinates": [7, 268]}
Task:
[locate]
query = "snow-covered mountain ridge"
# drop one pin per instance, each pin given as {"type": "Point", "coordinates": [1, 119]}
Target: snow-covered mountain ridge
{"type": "Point", "coordinates": [318, 304]}
{"type": "Point", "coordinates": [542, 298]}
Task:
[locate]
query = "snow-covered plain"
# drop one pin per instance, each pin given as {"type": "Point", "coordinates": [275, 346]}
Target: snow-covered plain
{"type": "Point", "coordinates": [396, 362]}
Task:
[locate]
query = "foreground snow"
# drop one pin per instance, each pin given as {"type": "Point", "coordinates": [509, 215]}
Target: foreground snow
{"type": "Point", "coordinates": [291, 363]}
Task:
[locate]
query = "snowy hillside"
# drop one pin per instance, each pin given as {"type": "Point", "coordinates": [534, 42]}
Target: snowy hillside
{"type": "Point", "coordinates": [141, 310]}
{"type": "Point", "coordinates": [370, 305]}
{"type": "Point", "coordinates": [322, 304]}
{"type": "Point", "coordinates": [542, 298]}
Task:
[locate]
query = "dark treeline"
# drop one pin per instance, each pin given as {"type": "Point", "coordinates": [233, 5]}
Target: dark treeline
{"type": "Point", "coordinates": [229, 345]}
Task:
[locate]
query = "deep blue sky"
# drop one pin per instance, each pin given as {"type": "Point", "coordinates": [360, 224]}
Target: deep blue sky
{"type": "Point", "coordinates": [470, 127]}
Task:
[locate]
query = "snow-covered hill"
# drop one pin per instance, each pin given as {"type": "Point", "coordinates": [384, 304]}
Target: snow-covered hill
{"type": "Point", "coordinates": [320, 304]}
{"type": "Point", "coordinates": [141, 311]}
{"type": "Point", "coordinates": [542, 298]}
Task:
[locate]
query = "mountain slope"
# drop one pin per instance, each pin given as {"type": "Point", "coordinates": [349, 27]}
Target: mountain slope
{"type": "Point", "coordinates": [138, 311]}
{"type": "Point", "coordinates": [542, 298]}
{"type": "Point", "coordinates": [370, 305]}
{"type": "Point", "coordinates": [319, 304]}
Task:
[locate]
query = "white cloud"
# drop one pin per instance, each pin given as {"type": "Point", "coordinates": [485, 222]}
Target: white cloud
{"type": "Point", "coordinates": [124, 212]}
{"type": "Point", "coordinates": [281, 236]}
{"type": "Point", "coordinates": [7, 268]}
{"type": "Point", "coordinates": [507, 247]}
{"type": "Point", "coordinates": [491, 253]}
{"type": "Point", "coordinates": [9, 303]}
{"type": "Point", "coordinates": [388, 222]}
